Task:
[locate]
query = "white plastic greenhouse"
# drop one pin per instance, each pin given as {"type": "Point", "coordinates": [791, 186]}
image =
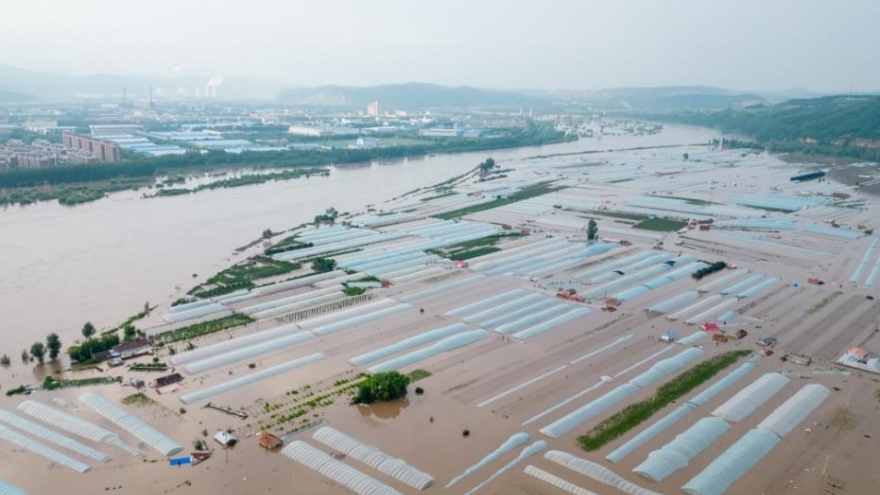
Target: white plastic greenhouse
{"type": "Point", "coordinates": [556, 481]}
{"type": "Point", "coordinates": [373, 457]}
{"type": "Point", "coordinates": [723, 384]}
{"type": "Point", "coordinates": [447, 344]}
{"type": "Point", "coordinates": [347, 313]}
{"type": "Point", "coordinates": [359, 320]}
{"type": "Point", "coordinates": [485, 303]}
{"type": "Point", "coordinates": [40, 449]}
{"type": "Point", "coordinates": [650, 432]}
{"type": "Point", "coordinates": [504, 308]}
{"type": "Point", "coordinates": [596, 472]}
{"type": "Point", "coordinates": [248, 352]}
{"type": "Point", "coordinates": [751, 397]}
{"type": "Point", "coordinates": [757, 289]}
{"type": "Point", "coordinates": [521, 386]}
{"type": "Point", "coordinates": [662, 369]}
{"type": "Point", "coordinates": [796, 409]}
{"type": "Point", "coordinates": [533, 317]}
{"type": "Point", "coordinates": [682, 449]}
{"type": "Point", "coordinates": [702, 303]}
{"type": "Point", "coordinates": [692, 338]}
{"type": "Point", "coordinates": [232, 344]}
{"type": "Point", "coordinates": [73, 424]}
{"type": "Point", "coordinates": [742, 284]}
{"type": "Point", "coordinates": [519, 313]}
{"type": "Point", "coordinates": [405, 344]}
{"type": "Point", "coordinates": [587, 412]}
{"type": "Point", "coordinates": [7, 488]}
{"type": "Point", "coordinates": [551, 323]}
{"type": "Point", "coordinates": [675, 302]}
{"type": "Point", "coordinates": [196, 312]}
{"type": "Point", "coordinates": [243, 381]}
{"type": "Point", "coordinates": [439, 289]}
{"type": "Point", "coordinates": [281, 310]}
{"type": "Point", "coordinates": [511, 443]}
{"type": "Point", "coordinates": [47, 434]}
{"type": "Point", "coordinates": [723, 281]}
{"type": "Point", "coordinates": [337, 471]}
{"type": "Point", "coordinates": [527, 452]}
{"type": "Point", "coordinates": [711, 313]}
{"type": "Point", "coordinates": [130, 423]}
{"type": "Point", "coordinates": [731, 465]}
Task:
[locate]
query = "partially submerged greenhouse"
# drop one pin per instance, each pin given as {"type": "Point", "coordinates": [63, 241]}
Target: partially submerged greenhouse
{"type": "Point", "coordinates": [130, 423]}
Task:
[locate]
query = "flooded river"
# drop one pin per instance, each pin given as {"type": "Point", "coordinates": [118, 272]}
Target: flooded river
{"type": "Point", "coordinates": [100, 262]}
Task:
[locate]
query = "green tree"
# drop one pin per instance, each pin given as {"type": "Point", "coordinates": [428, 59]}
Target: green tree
{"type": "Point", "coordinates": [267, 234]}
{"type": "Point", "coordinates": [592, 230]}
{"type": "Point", "coordinates": [321, 265]}
{"type": "Point", "coordinates": [4, 361]}
{"type": "Point", "coordinates": [53, 343]}
{"type": "Point", "coordinates": [38, 351]}
{"type": "Point", "coordinates": [88, 330]}
{"type": "Point", "coordinates": [488, 165]}
{"type": "Point", "coordinates": [385, 386]}
{"type": "Point", "coordinates": [128, 333]}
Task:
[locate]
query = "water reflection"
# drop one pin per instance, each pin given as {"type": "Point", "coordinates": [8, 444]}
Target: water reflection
{"type": "Point", "coordinates": [384, 410]}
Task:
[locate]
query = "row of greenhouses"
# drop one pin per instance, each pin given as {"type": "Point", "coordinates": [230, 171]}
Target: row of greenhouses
{"type": "Point", "coordinates": [511, 443]}
{"type": "Point", "coordinates": [326, 247]}
{"type": "Point", "coordinates": [130, 423]}
{"type": "Point", "coordinates": [678, 453]}
{"type": "Point", "coordinates": [373, 457]}
{"type": "Point", "coordinates": [73, 424]}
{"type": "Point", "coordinates": [596, 472]}
{"type": "Point", "coordinates": [527, 452]}
{"type": "Point", "coordinates": [441, 346]}
{"type": "Point", "coordinates": [752, 447]}
{"type": "Point", "coordinates": [37, 430]}
{"type": "Point", "coordinates": [250, 379]}
{"type": "Point", "coordinates": [680, 412]}
{"type": "Point", "coordinates": [406, 344]}
{"type": "Point", "coordinates": [620, 393]}
{"type": "Point", "coordinates": [38, 448]}
{"type": "Point", "coordinates": [335, 470]}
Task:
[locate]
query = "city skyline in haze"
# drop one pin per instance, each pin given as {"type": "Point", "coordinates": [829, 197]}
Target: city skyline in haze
{"type": "Point", "coordinates": [820, 46]}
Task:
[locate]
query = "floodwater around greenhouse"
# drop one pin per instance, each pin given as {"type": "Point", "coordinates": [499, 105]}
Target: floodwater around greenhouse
{"type": "Point", "coordinates": [101, 261]}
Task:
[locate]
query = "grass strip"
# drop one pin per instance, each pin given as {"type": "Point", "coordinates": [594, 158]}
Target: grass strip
{"type": "Point", "coordinates": [529, 192]}
{"type": "Point", "coordinates": [660, 225]}
{"type": "Point", "coordinates": [201, 328]}
{"type": "Point", "coordinates": [632, 415]}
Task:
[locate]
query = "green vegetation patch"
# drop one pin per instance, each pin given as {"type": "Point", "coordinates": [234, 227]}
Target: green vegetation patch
{"type": "Point", "coordinates": [416, 375]}
{"type": "Point", "coordinates": [50, 383]}
{"type": "Point", "coordinates": [625, 216]}
{"type": "Point", "coordinates": [383, 387]}
{"type": "Point", "coordinates": [139, 399]}
{"type": "Point", "coordinates": [529, 192]}
{"type": "Point", "coordinates": [660, 225]}
{"type": "Point", "coordinates": [634, 414]}
{"type": "Point", "coordinates": [242, 276]}
{"type": "Point", "coordinates": [202, 328]}
{"type": "Point", "coordinates": [353, 291]}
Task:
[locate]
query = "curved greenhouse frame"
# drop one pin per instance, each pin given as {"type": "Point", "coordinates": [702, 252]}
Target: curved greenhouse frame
{"type": "Point", "coordinates": [373, 457]}
{"type": "Point", "coordinates": [47, 434]}
{"type": "Point", "coordinates": [130, 423]}
{"type": "Point", "coordinates": [78, 426]}
{"type": "Point", "coordinates": [751, 397]}
{"type": "Point", "coordinates": [337, 471]}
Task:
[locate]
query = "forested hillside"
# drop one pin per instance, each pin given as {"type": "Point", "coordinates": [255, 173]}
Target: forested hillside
{"type": "Point", "coordinates": [834, 125]}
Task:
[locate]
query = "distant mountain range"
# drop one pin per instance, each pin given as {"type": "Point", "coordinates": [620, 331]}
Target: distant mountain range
{"type": "Point", "coordinates": [19, 85]}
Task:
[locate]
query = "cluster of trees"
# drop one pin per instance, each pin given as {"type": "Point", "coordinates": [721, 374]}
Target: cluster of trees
{"type": "Point", "coordinates": [487, 165]}
{"type": "Point", "coordinates": [322, 265]}
{"type": "Point", "coordinates": [714, 267]}
{"type": "Point", "coordinates": [86, 350]}
{"type": "Point", "coordinates": [385, 386]}
{"type": "Point", "coordinates": [38, 350]}
{"type": "Point", "coordinates": [329, 216]}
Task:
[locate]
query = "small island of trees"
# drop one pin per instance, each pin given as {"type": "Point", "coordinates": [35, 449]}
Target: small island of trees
{"type": "Point", "coordinates": [383, 387]}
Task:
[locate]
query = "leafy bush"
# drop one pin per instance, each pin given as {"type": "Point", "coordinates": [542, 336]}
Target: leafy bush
{"type": "Point", "coordinates": [420, 391]}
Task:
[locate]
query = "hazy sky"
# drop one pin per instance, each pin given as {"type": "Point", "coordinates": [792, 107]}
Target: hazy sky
{"type": "Point", "coordinates": [556, 44]}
